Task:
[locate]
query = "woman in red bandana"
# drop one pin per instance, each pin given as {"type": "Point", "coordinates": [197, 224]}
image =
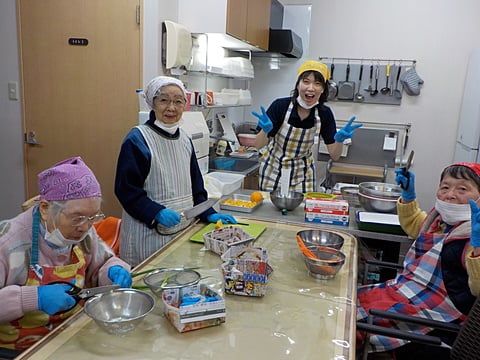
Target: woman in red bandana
{"type": "Point", "coordinates": [441, 275]}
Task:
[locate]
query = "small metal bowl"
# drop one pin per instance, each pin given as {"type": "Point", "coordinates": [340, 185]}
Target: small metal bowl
{"type": "Point", "coordinates": [119, 311]}
{"type": "Point", "coordinates": [328, 263]}
{"type": "Point", "coordinates": [171, 278]}
{"type": "Point", "coordinates": [321, 238]}
{"type": "Point", "coordinates": [289, 202]}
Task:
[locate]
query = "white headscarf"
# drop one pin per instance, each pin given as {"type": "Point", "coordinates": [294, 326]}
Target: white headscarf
{"type": "Point", "coordinates": [154, 86]}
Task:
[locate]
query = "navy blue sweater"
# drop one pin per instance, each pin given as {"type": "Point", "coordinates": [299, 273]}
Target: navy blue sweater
{"type": "Point", "coordinates": [133, 167]}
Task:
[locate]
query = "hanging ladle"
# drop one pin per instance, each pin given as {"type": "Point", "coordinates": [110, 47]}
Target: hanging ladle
{"type": "Point", "coordinates": [374, 92]}
{"type": "Point", "coordinates": [385, 90]}
{"type": "Point", "coordinates": [359, 96]}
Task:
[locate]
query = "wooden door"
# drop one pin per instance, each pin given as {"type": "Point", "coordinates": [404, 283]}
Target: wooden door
{"type": "Point", "coordinates": [79, 99]}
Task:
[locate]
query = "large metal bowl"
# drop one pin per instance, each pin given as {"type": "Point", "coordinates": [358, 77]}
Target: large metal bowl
{"type": "Point", "coordinates": [379, 197]}
{"type": "Point", "coordinates": [119, 311]}
{"type": "Point", "coordinates": [321, 238]}
{"type": "Point", "coordinates": [328, 263]}
{"type": "Point", "coordinates": [289, 202]}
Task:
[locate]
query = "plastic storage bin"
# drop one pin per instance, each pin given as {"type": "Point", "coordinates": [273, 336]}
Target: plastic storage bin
{"type": "Point", "coordinates": [226, 183]}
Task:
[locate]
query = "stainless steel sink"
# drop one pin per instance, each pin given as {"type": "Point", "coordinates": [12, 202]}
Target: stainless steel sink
{"type": "Point", "coordinates": [228, 164]}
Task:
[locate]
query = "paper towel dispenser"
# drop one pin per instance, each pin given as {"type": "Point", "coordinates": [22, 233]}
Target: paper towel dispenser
{"type": "Point", "coordinates": [176, 45]}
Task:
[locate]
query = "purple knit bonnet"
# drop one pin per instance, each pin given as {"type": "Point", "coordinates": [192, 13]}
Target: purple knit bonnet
{"type": "Point", "coordinates": [68, 180]}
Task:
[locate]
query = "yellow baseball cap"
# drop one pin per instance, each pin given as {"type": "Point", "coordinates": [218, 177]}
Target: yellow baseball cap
{"type": "Point", "coordinates": [315, 66]}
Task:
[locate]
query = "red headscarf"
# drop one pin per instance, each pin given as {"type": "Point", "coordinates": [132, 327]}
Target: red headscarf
{"type": "Point", "coordinates": [472, 166]}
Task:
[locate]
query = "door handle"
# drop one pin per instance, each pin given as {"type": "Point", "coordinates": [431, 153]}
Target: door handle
{"type": "Point", "coordinates": [30, 138]}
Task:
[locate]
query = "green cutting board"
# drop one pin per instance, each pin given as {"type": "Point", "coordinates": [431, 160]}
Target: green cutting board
{"type": "Point", "coordinates": [253, 229]}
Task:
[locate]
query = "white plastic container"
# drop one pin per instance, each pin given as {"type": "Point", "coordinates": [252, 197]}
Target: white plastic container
{"type": "Point", "coordinates": [224, 182]}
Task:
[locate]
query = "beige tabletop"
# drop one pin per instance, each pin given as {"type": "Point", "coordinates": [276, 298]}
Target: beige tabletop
{"type": "Point", "coordinates": [299, 317]}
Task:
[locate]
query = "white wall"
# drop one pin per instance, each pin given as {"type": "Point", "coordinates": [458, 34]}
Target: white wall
{"type": "Point", "coordinates": [439, 34]}
{"type": "Point", "coordinates": [12, 188]}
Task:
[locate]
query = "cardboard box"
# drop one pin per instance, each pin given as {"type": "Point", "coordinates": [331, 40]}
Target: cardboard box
{"type": "Point", "coordinates": [326, 206]}
{"type": "Point", "coordinates": [246, 271]}
{"type": "Point", "coordinates": [330, 219]}
{"type": "Point", "coordinates": [195, 316]}
{"type": "Point", "coordinates": [220, 240]}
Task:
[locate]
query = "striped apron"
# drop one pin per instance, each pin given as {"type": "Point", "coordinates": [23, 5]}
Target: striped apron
{"type": "Point", "coordinates": [290, 149]}
{"type": "Point", "coordinates": [168, 183]}
{"type": "Point", "coordinates": [22, 333]}
{"type": "Point", "coordinates": [419, 290]}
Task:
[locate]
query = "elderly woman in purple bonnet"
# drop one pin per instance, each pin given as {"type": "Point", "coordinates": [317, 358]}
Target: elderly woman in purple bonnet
{"type": "Point", "coordinates": [53, 241]}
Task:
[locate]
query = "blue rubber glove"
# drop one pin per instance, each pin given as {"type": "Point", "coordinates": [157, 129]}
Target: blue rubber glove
{"type": "Point", "coordinates": [54, 298]}
{"type": "Point", "coordinates": [226, 219]}
{"type": "Point", "coordinates": [347, 131]}
{"type": "Point", "coordinates": [475, 234]}
{"type": "Point", "coordinates": [264, 121]}
{"type": "Point", "coordinates": [168, 218]}
{"type": "Point", "coordinates": [407, 183]}
{"type": "Point", "coordinates": [120, 276]}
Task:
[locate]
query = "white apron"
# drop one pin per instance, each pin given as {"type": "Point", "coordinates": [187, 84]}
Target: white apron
{"type": "Point", "coordinates": [290, 148]}
{"type": "Point", "coordinates": [168, 183]}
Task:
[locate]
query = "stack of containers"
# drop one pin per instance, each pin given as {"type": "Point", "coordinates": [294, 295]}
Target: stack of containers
{"type": "Point", "coordinates": [326, 211]}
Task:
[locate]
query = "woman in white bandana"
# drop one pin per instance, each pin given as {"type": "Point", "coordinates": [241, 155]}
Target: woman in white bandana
{"type": "Point", "coordinates": [289, 127]}
{"type": "Point", "coordinates": [158, 175]}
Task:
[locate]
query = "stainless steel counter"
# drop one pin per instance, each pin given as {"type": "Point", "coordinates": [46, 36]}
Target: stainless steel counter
{"type": "Point", "coordinates": [267, 211]}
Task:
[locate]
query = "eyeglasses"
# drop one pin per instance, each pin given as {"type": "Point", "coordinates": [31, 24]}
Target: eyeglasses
{"type": "Point", "coordinates": [82, 220]}
{"type": "Point", "coordinates": [165, 101]}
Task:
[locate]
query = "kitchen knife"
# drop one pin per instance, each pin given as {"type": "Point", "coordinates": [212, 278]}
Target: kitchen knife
{"type": "Point", "coordinates": [198, 209]}
{"type": "Point", "coordinates": [405, 171]}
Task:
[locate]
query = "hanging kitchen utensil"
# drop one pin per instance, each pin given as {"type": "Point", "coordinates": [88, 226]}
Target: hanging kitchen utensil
{"type": "Point", "coordinates": [346, 89]}
{"type": "Point", "coordinates": [392, 71]}
{"type": "Point", "coordinates": [359, 96]}
{"type": "Point", "coordinates": [385, 90]}
{"type": "Point", "coordinates": [332, 85]}
{"type": "Point", "coordinates": [374, 92]}
{"type": "Point", "coordinates": [369, 89]}
{"type": "Point", "coordinates": [397, 92]}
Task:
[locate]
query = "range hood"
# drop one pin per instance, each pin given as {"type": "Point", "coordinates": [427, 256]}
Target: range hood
{"type": "Point", "coordinates": [285, 42]}
{"type": "Point", "coordinates": [282, 42]}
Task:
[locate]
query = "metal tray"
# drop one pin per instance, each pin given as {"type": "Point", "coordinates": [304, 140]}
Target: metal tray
{"type": "Point", "coordinates": [378, 226]}
{"type": "Point", "coordinates": [239, 208]}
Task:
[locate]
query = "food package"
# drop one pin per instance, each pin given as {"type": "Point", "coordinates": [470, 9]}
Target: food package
{"type": "Point", "coordinates": [326, 206]}
{"type": "Point", "coordinates": [246, 271]}
{"type": "Point", "coordinates": [220, 240]}
{"type": "Point", "coordinates": [204, 307]}
{"type": "Point", "coordinates": [330, 219]}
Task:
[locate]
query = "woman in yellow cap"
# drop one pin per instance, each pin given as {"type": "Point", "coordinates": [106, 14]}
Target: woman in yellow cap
{"type": "Point", "coordinates": [289, 126]}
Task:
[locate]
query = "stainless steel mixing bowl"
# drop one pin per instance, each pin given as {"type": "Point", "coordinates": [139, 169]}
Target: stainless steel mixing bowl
{"type": "Point", "coordinates": [322, 238]}
{"type": "Point", "coordinates": [289, 202]}
{"type": "Point", "coordinates": [328, 263]}
{"type": "Point", "coordinates": [119, 311]}
{"type": "Point", "coordinates": [379, 197]}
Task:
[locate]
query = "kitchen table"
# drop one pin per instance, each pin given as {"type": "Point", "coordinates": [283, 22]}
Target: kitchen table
{"type": "Point", "coordinates": [299, 317]}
